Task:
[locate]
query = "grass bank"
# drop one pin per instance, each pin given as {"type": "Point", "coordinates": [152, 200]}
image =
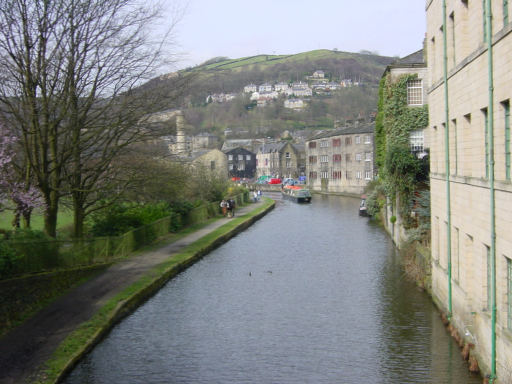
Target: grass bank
{"type": "Point", "coordinates": [85, 337]}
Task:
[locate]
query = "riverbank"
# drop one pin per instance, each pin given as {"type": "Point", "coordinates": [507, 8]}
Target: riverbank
{"type": "Point", "coordinates": [47, 346]}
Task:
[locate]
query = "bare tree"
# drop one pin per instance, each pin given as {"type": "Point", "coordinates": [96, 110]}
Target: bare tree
{"type": "Point", "coordinates": [70, 73]}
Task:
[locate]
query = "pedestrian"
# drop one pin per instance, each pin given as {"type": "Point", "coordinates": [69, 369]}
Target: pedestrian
{"type": "Point", "coordinates": [259, 194]}
{"type": "Point", "coordinates": [224, 207]}
{"type": "Point", "coordinates": [232, 204]}
{"type": "Point", "coordinates": [255, 196]}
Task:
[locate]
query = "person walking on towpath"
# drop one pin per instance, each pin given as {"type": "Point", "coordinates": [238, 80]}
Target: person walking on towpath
{"type": "Point", "coordinates": [224, 207]}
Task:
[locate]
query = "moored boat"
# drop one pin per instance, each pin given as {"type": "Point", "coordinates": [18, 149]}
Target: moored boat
{"type": "Point", "coordinates": [296, 193]}
{"type": "Point", "coordinates": [362, 206]}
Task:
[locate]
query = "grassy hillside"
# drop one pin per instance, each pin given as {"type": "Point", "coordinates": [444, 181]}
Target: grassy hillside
{"type": "Point", "coordinates": [225, 75]}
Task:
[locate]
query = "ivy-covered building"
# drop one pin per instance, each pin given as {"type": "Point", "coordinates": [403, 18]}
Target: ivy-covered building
{"type": "Point", "coordinates": [402, 139]}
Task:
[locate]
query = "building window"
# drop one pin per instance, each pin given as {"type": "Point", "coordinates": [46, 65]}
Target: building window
{"type": "Point", "coordinates": [230, 167]}
{"type": "Point", "coordinates": [368, 156]}
{"type": "Point", "coordinates": [456, 253]}
{"type": "Point", "coordinates": [266, 162]}
{"type": "Point", "coordinates": [484, 13]}
{"type": "Point", "coordinates": [240, 157]}
{"type": "Point", "coordinates": [324, 159]}
{"type": "Point", "coordinates": [509, 294]}
{"type": "Point", "coordinates": [367, 139]}
{"type": "Point", "coordinates": [358, 139]}
{"type": "Point", "coordinates": [287, 155]}
{"type": "Point", "coordinates": [506, 107]}
{"type": "Point", "coordinates": [414, 92]}
{"type": "Point", "coordinates": [212, 165]}
{"type": "Point", "coordinates": [312, 175]}
{"type": "Point", "coordinates": [368, 175]}
{"type": "Point", "coordinates": [455, 147]}
{"type": "Point", "coordinates": [488, 253]}
{"type": "Point", "coordinates": [358, 175]}
{"type": "Point", "coordinates": [312, 159]}
{"type": "Point", "coordinates": [486, 132]}
{"type": "Point", "coordinates": [324, 144]}
{"type": "Point", "coordinates": [358, 157]}
{"type": "Point", "coordinates": [336, 174]}
{"type": "Point", "coordinates": [288, 163]}
{"type": "Point", "coordinates": [348, 175]}
{"type": "Point", "coordinates": [230, 157]}
{"type": "Point", "coordinates": [241, 166]}
{"type": "Point", "coordinates": [348, 141]}
{"type": "Point", "coordinates": [505, 12]}
{"type": "Point", "coordinates": [336, 142]}
{"type": "Point", "coordinates": [417, 140]}
{"type": "Point", "coordinates": [336, 158]}
{"type": "Point", "coordinates": [248, 157]}
{"type": "Point", "coordinates": [324, 175]}
{"type": "Point", "coordinates": [312, 144]}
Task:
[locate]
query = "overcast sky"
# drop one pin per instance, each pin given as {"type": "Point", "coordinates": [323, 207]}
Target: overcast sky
{"type": "Point", "coordinates": [239, 28]}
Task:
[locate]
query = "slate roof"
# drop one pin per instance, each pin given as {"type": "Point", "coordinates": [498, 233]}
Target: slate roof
{"type": "Point", "coordinates": [271, 147]}
{"type": "Point", "coordinates": [364, 128]}
{"type": "Point", "coordinates": [415, 59]}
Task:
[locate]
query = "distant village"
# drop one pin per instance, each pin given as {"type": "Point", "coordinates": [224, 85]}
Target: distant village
{"type": "Point", "coordinates": [289, 156]}
{"type": "Point", "coordinates": [295, 93]}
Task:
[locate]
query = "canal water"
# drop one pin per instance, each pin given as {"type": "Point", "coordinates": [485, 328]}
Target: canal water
{"type": "Point", "coordinates": [309, 294]}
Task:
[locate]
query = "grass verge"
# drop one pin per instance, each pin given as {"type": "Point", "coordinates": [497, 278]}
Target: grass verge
{"type": "Point", "coordinates": [87, 335]}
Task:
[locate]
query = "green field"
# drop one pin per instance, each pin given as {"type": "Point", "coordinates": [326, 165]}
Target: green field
{"type": "Point", "coordinates": [65, 219]}
{"type": "Point", "coordinates": [270, 60]}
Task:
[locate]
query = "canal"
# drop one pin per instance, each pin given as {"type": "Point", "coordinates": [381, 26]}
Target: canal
{"type": "Point", "coordinates": [309, 294]}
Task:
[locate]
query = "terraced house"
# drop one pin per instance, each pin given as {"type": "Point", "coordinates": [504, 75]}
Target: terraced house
{"type": "Point", "coordinates": [341, 160]}
{"type": "Point", "coordinates": [282, 159]}
{"type": "Point", "coordinates": [469, 61]}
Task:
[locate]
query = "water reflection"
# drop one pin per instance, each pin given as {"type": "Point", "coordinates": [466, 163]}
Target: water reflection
{"type": "Point", "coordinates": [309, 294]}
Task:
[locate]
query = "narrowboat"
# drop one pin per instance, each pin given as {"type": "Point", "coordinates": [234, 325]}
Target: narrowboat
{"type": "Point", "coordinates": [296, 193]}
{"type": "Point", "coordinates": [362, 206]}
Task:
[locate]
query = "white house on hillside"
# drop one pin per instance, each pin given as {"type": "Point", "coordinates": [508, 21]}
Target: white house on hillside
{"type": "Point", "coordinates": [250, 88]}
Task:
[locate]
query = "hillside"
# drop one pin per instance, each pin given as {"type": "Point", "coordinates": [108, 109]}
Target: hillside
{"type": "Point", "coordinates": [229, 76]}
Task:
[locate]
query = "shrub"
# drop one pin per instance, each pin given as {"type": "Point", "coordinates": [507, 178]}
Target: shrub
{"type": "Point", "coordinates": [8, 258]}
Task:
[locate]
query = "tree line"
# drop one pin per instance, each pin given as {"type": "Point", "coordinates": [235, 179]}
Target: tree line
{"type": "Point", "coordinates": [72, 113]}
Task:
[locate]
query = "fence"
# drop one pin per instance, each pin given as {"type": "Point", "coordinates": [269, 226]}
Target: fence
{"type": "Point", "coordinates": [38, 256]}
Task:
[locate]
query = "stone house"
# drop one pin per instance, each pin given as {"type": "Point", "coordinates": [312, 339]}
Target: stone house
{"type": "Point", "coordinates": [265, 88]}
{"type": "Point", "coordinates": [470, 174]}
{"type": "Point", "coordinates": [341, 160]}
{"type": "Point", "coordinates": [282, 159]}
{"type": "Point", "coordinates": [250, 88]}
{"type": "Point", "coordinates": [212, 160]}
{"type": "Point", "coordinates": [205, 140]}
{"type": "Point", "coordinates": [281, 87]}
{"type": "Point", "coordinates": [295, 104]}
{"type": "Point", "coordinates": [241, 163]}
{"type": "Point", "coordinates": [319, 74]}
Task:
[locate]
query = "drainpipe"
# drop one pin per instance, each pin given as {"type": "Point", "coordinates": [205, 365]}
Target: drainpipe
{"type": "Point", "coordinates": [490, 133]}
{"type": "Point", "coordinates": [447, 164]}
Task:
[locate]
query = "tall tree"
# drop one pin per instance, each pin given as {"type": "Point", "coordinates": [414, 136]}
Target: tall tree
{"type": "Point", "coordinates": [70, 71]}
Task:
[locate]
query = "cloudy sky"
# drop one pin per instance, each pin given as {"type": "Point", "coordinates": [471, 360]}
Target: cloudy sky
{"type": "Point", "coordinates": [238, 28]}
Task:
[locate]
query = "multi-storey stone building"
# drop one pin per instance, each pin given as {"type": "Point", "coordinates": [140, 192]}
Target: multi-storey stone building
{"type": "Point", "coordinates": [341, 160]}
{"type": "Point", "coordinates": [282, 159]}
{"type": "Point", "coordinates": [470, 61]}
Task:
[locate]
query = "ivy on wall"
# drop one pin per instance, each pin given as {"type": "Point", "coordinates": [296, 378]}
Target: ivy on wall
{"type": "Point", "coordinates": [399, 169]}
